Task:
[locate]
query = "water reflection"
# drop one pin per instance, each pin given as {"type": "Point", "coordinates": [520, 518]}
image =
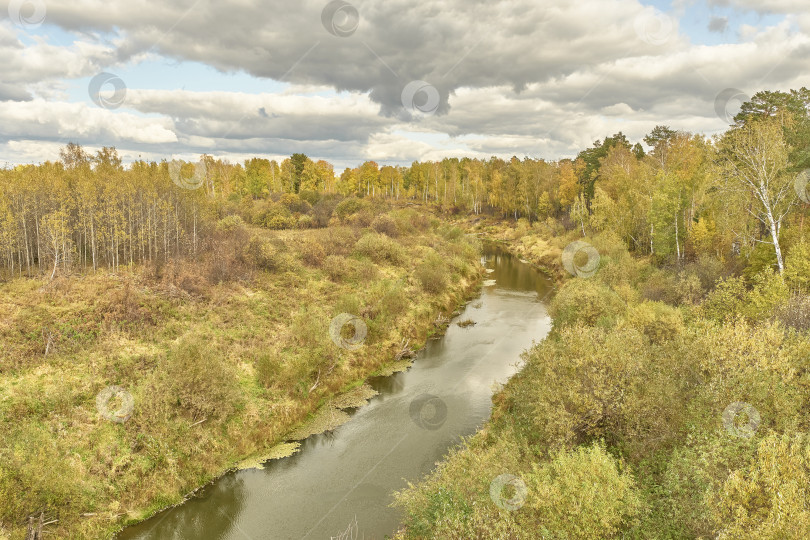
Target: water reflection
{"type": "Point", "coordinates": [353, 470]}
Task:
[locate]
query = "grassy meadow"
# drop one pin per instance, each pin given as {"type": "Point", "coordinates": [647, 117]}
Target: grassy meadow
{"type": "Point", "coordinates": [223, 355]}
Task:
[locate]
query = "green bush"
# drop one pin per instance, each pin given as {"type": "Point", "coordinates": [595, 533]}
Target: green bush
{"type": "Point", "coordinates": [797, 267]}
{"type": "Point", "coordinates": [195, 381]}
{"type": "Point", "coordinates": [585, 301]}
{"type": "Point", "coordinates": [768, 498]}
{"type": "Point", "coordinates": [380, 248]}
{"type": "Point", "coordinates": [659, 322]}
{"type": "Point", "coordinates": [726, 299]}
{"type": "Point", "coordinates": [263, 254]}
{"type": "Point", "coordinates": [580, 386]}
{"type": "Point", "coordinates": [581, 493]}
{"type": "Point", "coordinates": [432, 274]}
{"type": "Point", "coordinates": [350, 206]}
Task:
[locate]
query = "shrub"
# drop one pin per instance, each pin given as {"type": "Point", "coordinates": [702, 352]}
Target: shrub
{"type": "Point", "coordinates": [380, 248]}
{"type": "Point", "coordinates": [230, 224]}
{"type": "Point", "coordinates": [581, 494]}
{"type": "Point", "coordinates": [726, 299]}
{"type": "Point", "coordinates": [769, 291]}
{"type": "Point", "coordinates": [196, 381]}
{"type": "Point", "coordinates": [312, 253]}
{"type": "Point", "coordinates": [768, 498]}
{"type": "Point", "coordinates": [277, 216]}
{"type": "Point", "coordinates": [294, 203]}
{"type": "Point", "coordinates": [661, 286]}
{"type": "Point", "coordinates": [306, 222]}
{"type": "Point", "coordinates": [432, 274]}
{"type": "Point", "coordinates": [385, 224]}
{"type": "Point", "coordinates": [361, 219]}
{"type": "Point", "coordinates": [263, 254]}
{"type": "Point", "coordinates": [585, 301]}
{"type": "Point", "coordinates": [349, 206]}
{"type": "Point", "coordinates": [659, 322]}
{"type": "Point", "coordinates": [795, 313]}
{"type": "Point", "coordinates": [323, 209]}
{"type": "Point", "coordinates": [797, 267]}
{"type": "Point", "coordinates": [579, 387]}
{"type": "Point", "coordinates": [336, 267]}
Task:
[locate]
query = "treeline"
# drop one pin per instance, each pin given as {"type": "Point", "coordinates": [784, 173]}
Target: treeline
{"type": "Point", "coordinates": [688, 196]}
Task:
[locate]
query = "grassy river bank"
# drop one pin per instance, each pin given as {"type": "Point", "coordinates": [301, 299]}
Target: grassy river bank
{"type": "Point", "coordinates": [217, 361]}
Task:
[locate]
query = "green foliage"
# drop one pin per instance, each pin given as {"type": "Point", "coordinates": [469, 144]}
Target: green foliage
{"type": "Point", "coordinates": [582, 493]}
{"type": "Point", "coordinates": [797, 267]}
{"type": "Point", "coordinates": [659, 322]}
{"type": "Point", "coordinates": [432, 274]}
{"type": "Point", "coordinates": [196, 382]}
{"type": "Point", "coordinates": [380, 248]}
{"type": "Point", "coordinates": [585, 301]}
{"type": "Point", "coordinates": [726, 299]}
{"type": "Point", "coordinates": [768, 498]}
{"type": "Point", "coordinates": [350, 206]}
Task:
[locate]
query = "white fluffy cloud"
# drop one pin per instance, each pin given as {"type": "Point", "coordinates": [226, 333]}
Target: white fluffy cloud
{"type": "Point", "coordinates": [512, 77]}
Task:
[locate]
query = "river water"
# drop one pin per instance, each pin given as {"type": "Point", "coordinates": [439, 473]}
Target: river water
{"type": "Point", "coordinates": [348, 474]}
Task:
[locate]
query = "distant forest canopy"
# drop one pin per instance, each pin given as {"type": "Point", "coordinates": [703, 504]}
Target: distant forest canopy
{"type": "Point", "coordinates": [741, 193]}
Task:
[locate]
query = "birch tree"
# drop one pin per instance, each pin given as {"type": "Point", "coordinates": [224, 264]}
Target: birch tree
{"type": "Point", "coordinates": [754, 159]}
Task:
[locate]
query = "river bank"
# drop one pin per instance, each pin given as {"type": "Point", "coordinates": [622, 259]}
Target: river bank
{"type": "Point", "coordinates": [346, 475]}
{"type": "Point", "coordinates": [216, 373]}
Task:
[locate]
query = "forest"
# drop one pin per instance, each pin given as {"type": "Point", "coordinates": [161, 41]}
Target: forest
{"type": "Point", "coordinates": [621, 423]}
{"type": "Point", "coordinates": [688, 196]}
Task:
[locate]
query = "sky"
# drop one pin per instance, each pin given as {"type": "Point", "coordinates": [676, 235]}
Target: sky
{"type": "Point", "coordinates": [392, 81]}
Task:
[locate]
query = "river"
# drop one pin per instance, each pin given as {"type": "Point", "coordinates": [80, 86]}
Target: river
{"type": "Point", "coordinates": [350, 473]}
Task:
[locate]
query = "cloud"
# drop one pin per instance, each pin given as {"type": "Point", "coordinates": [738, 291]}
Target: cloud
{"type": "Point", "coordinates": [718, 24]}
{"type": "Point", "coordinates": [513, 77]}
{"type": "Point", "coordinates": [449, 44]}
{"type": "Point", "coordinates": [763, 6]}
{"type": "Point", "coordinates": [39, 119]}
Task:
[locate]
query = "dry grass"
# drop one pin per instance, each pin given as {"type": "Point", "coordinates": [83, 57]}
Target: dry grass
{"type": "Point", "coordinates": [222, 365]}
